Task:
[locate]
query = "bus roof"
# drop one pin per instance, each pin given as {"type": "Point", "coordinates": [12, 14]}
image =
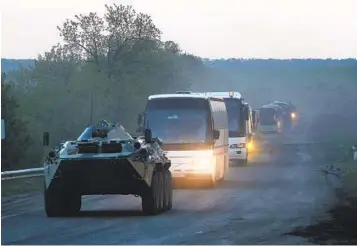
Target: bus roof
{"type": "Point", "coordinates": [225, 94]}
{"type": "Point", "coordinates": [186, 95]}
{"type": "Point", "coordinates": [247, 105]}
{"type": "Point", "coordinates": [280, 103]}
{"type": "Point", "coordinates": [270, 105]}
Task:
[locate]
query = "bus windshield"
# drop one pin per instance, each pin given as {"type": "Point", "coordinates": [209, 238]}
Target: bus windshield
{"type": "Point", "coordinates": [179, 120]}
{"type": "Point", "coordinates": [267, 116]}
{"type": "Point", "coordinates": [234, 117]}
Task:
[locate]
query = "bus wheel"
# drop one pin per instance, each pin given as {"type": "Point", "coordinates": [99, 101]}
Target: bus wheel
{"type": "Point", "coordinates": [246, 160]}
{"type": "Point", "coordinates": [225, 173]}
{"type": "Point", "coordinates": [211, 184]}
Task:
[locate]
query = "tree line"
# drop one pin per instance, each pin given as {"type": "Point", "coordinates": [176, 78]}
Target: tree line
{"type": "Point", "coordinates": [230, 64]}
{"type": "Point", "coordinates": [104, 68]}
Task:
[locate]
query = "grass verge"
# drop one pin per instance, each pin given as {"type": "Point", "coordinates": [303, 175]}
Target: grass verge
{"type": "Point", "coordinates": [340, 228]}
{"type": "Point", "coordinates": [21, 186]}
{"type": "Point", "coordinates": [349, 178]}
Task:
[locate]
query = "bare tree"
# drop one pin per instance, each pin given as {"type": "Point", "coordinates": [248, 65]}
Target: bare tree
{"type": "Point", "coordinates": [105, 40]}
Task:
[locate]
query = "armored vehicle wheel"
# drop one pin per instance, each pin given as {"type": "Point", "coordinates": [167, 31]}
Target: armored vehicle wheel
{"type": "Point", "coordinates": [151, 199]}
{"type": "Point", "coordinates": [168, 190]}
{"type": "Point", "coordinates": [161, 205]}
{"type": "Point", "coordinates": [57, 205]}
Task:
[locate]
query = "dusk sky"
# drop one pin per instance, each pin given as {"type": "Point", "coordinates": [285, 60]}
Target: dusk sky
{"type": "Point", "coordinates": [207, 28]}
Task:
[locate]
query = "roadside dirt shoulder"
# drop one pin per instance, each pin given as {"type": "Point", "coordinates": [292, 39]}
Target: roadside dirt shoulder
{"type": "Point", "coordinates": [340, 227]}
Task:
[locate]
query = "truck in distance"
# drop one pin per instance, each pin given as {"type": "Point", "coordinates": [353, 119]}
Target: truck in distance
{"type": "Point", "coordinates": [289, 114]}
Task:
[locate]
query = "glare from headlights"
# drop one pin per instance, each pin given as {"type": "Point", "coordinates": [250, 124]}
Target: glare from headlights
{"type": "Point", "coordinates": [204, 161]}
{"type": "Point", "coordinates": [203, 153]}
{"type": "Point", "coordinates": [293, 115]}
{"type": "Point", "coordinates": [250, 146]}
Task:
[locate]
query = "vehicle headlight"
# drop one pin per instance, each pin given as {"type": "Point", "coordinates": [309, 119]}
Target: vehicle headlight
{"type": "Point", "coordinates": [293, 115]}
{"type": "Point", "coordinates": [203, 162]}
{"type": "Point", "coordinates": [250, 146]}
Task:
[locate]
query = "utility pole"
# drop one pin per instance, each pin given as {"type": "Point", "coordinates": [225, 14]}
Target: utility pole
{"type": "Point", "coordinates": [91, 109]}
{"type": "Point", "coordinates": [4, 147]}
{"type": "Point", "coordinates": [3, 131]}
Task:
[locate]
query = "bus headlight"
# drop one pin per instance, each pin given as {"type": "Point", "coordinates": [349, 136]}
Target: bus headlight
{"type": "Point", "coordinates": [204, 162]}
{"type": "Point", "coordinates": [293, 115]}
{"type": "Point", "coordinates": [250, 146]}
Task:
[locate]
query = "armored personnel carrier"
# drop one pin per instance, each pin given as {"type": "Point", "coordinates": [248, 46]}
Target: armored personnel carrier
{"type": "Point", "coordinates": [105, 159]}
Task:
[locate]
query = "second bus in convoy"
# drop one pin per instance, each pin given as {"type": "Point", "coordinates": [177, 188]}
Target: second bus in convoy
{"type": "Point", "coordinates": [194, 130]}
{"type": "Point", "coordinates": [240, 125]}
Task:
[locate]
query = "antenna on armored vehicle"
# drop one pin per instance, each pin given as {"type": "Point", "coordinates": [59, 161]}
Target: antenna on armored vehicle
{"type": "Point", "coordinates": [91, 110]}
{"type": "Point", "coordinates": [148, 133]}
{"type": "Point", "coordinates": [3, 129]}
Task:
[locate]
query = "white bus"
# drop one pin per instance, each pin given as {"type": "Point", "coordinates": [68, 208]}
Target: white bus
{"type": "Point", "coordinates": [194, 130]}
{"type": "Point", "coordinates": [240, 125]}
{"type": "Point", "coordinates": [270, 119]}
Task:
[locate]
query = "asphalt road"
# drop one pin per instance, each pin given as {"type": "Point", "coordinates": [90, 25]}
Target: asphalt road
{"type": "Point", "coordinates": [257, 204]}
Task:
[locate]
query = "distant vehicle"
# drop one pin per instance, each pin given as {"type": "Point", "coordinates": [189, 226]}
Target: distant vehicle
{"type": "Point", "coordinates": [255, 116]}
{"type": "Point", "coordinates": [240, 125]}
{"type": "Point", "coordinates": [286, 105]}
{"type": "Point", "coordinates": [194, 130]}
{"type": "Point", "coordinates": [250, 129]}
{"type": "Point", "coordinates": [270, 119]}
{"type": "Point", "coordinates": [289, 114]}
{"type": "Point", "coordinates": [105, 159]}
